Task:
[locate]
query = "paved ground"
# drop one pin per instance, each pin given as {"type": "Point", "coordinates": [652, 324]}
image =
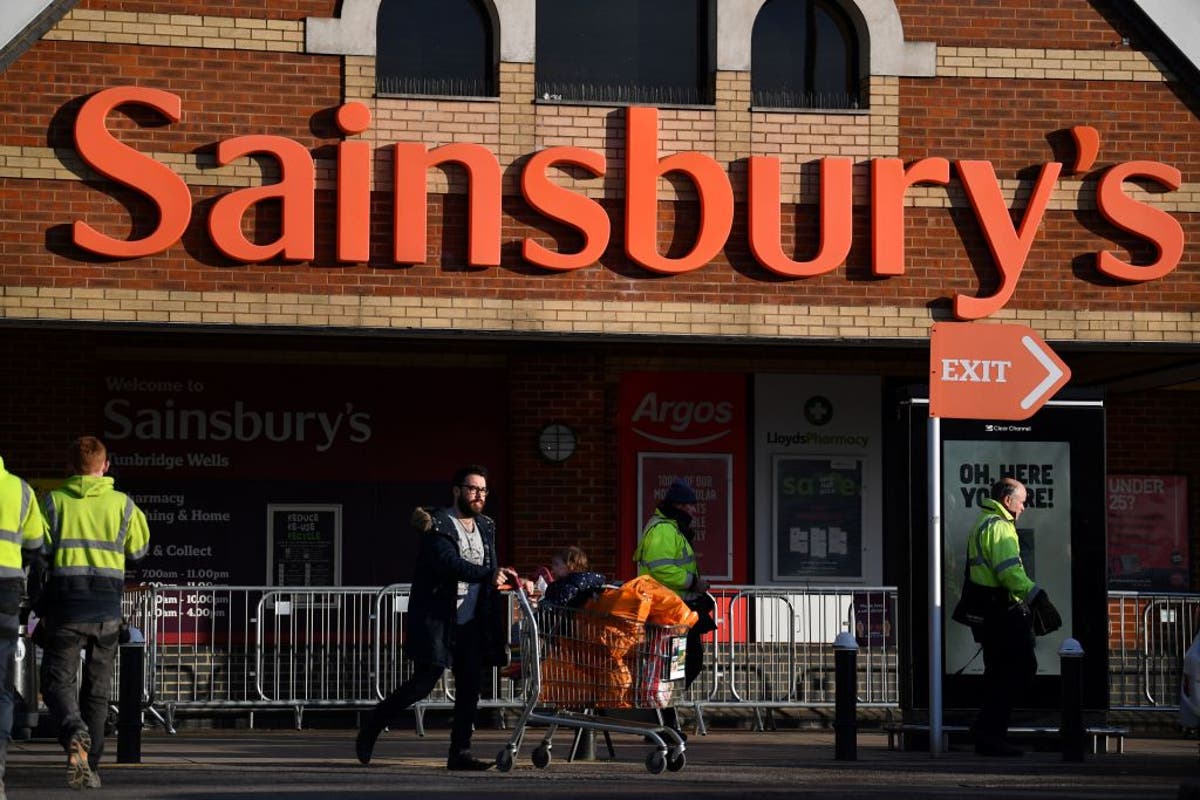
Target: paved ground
{"type": "Point", "coordinates": [245, 764]}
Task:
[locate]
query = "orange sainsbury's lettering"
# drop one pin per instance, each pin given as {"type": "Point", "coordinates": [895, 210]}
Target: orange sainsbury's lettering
{"type": "Point", "coordinates": [837, 188]}
{"type": "Point", "coordinates": [555, 202]}
{"type": "Point", "coordinates": [890, 179]}
{"type": "Point", "coordinates": [1009, 243]}
{"type": "Point", "coordinates": [1153, 224]}
{"type": "Point", "coordinates": [294, 191]}
{"type": "Point", "coordinates": [642, 170]}
{"type": "Point", "coordinates": [410, 195]}
{"type": "Point", "coordinates": [1009, 246]}
{"type": "Point", "coordinates": [123, 164]}
{"type": "Point", "coordinates": [353, 185]}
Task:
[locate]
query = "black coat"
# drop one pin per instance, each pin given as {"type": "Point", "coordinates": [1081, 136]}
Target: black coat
{"type": "Point", "coordinates": [433, 604]}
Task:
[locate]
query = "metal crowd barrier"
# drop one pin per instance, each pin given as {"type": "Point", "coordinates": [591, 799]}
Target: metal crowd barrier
{"type": "Point", "coordinates": [773, 648]}
{"type": "Point", "coordinates": [1148, 636]}
{"type": "Point", "coordinates": [252, 648]}
{"type": "Point", "coordinates": [258, 648]}
{"type": "Point", "coordinates": [216, 648]}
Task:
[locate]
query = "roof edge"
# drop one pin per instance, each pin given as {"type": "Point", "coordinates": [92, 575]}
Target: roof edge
{"type": "Point", "coordinates": [1175, 26]}
{"type": "Point", "coordinates": [24, 26]}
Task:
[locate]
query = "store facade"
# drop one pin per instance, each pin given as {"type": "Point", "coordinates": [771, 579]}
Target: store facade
{"type": "Point", "coordinates": [294, 283]}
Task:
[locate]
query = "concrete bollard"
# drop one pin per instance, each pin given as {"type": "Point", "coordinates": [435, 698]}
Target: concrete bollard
{"type": "Point", "coordinates": [845, 681]}
{"type": "Point", "coordinates": [129, 703]}
{"type": "Point", "coordinates": [1071, 732]}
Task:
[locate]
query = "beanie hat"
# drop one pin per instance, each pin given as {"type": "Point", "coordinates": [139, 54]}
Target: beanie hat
{"type": "Point", "coordinates": [680, 492]}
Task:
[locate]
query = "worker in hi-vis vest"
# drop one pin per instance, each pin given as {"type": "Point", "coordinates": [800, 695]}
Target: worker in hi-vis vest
{"type": "Point", "coordinates": [665, 552]}
{"type": "Point", "coordinates": [94, 530]}
{"type": "Point", "coordinates": [22, 534]}
{"type": "Point", "coordinates": [1006, 631]}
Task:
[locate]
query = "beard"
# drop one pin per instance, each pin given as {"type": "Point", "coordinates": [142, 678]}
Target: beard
{"type": "Point", "coordinates": [464, 507]}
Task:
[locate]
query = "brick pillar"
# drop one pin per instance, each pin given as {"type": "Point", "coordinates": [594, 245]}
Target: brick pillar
{"type": "Point", "coordinates": [517, 119]}
{"type": "Point", "coordinates": [733, 125]}
{"type": "Point", "coordinates": [884, 93]}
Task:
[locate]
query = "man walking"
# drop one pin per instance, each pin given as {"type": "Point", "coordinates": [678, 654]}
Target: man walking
{"type": "Point", "coordinates": [22, 534]}
{"type": "Point", "coordinates": [94, 529]}
{"type": "Point", "coordinates": [1006, 634]}
{"type": "Point", "coordinates": [453, 590]}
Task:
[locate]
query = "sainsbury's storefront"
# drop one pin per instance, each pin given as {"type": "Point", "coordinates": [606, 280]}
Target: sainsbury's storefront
{"type": "Point", "coordinates": [293, 298]}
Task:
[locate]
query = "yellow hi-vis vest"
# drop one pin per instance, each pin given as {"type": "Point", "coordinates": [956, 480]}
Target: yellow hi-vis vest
{"type": "Point", "coordinates": [22, 534]}
{"type": "Point", "coordinates": [994, 552]}
{"type": "Point", "coordinates": [666, 555]}
{"type": "Point", "coordinates": [93, 529]}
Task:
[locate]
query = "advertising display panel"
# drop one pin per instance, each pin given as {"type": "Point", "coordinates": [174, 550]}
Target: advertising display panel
{"type": "Point", "coordinates": [818, 517]}
{"type": "Point", "coordinates": [304, 543]}
{"type": "Point", "coordinates": [1148, 533]}
{"type": "Point", "coordinates": [1059, 454]}
{"type": "Point", "coordinates": [689, 425]}
{"type": "Point", "coordinates": [818, 461]}
{"type": "Point", "coordinates": [1044, 529]}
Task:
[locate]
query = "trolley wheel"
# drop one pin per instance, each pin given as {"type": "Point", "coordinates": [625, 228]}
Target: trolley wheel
{"type": "Point", "coordinates": [676, 761]}
{"type": "Point", "coordinates": [504, 760]}
{"type": "Point", "coordinates": [541, 756]}
{"type": "Point", "coordinates": [656, 762]}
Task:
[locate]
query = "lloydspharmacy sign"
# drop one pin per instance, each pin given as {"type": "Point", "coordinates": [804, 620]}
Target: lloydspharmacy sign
{"type": "Point", "coordinates": [890, 179]}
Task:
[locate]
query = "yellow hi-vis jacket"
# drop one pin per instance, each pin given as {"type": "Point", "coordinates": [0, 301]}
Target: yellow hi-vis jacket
{"type": "Point", "coordinates": [93, 529]}
{"type": "Point", "coordinates": [22, 535]}
{"type": "Point", "coordinates": [994, 552]}
{"type": "Point", "coordinates": [666, 555]}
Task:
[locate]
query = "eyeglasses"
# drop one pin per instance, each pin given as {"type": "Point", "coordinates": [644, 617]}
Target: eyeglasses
{"type": "Point", "coordinates": [479, 490]}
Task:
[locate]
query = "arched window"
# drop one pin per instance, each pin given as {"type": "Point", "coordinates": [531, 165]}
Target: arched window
{"type": "Point", "coordinates": [435, 47]}
{"type": "Point", "coordinates": [622, 51]}
{"type": "Point", "coordinates": [804, 54]}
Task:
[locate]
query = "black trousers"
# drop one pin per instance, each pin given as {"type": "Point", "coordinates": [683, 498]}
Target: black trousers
{"type": "Point", "coordinates": [467, 670]}
{"type": "Point", "coordinates": [83, 706]}
{"type": "Point", "coordinates": [1009, 664]}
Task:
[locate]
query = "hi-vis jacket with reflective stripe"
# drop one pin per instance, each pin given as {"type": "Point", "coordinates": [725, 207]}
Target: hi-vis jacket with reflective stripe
{"type": "Point", "coordinates": [994, 552]}
{"type": "Point", "coordinates": [22, 534]}
{"type": "Point", "coordinates": [665, 554]}
{"type": "Point", "coordinates": [93, 529]}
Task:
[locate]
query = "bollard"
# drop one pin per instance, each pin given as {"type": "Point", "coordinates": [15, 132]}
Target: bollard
{"type": "Point", "coordinates": [129, 703]}
{"type": "Point", "coordinates": [585, 745]}
{"type": "Point", "coordinates": [1070, 656]}
{"type": "Point", "coordinates": [845, 687]}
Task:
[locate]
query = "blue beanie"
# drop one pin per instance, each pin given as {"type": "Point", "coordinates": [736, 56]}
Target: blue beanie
{"type": "Point", "coordinates": [680, 492]}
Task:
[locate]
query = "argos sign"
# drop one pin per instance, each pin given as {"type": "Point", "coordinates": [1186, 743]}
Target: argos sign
{"type": "Point", "coordinates": [689, 425]}
{"type": "Point", "coordinates": [678, 420]}
{"type": "Point", "coordinates": [890, 178]}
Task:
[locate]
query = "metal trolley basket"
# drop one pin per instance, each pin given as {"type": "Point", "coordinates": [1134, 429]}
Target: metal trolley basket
{"type": "Point", "coordinates": [575, 662]}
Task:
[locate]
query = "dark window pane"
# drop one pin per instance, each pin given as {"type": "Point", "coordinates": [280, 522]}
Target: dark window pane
{"type": "Point", "coordinates": [437, 47]}
{"type": "Point", "coordinates": [804, 54]}
{"type": "Point", "coordinates": [625, 50]}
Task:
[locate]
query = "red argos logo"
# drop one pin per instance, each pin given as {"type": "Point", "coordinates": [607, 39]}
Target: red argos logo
{"type": "Point", "coordinates": [682, 422]}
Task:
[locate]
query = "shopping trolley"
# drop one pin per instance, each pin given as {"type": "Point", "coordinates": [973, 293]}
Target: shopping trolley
{"type": "Point", "coordinates": [576, 662]}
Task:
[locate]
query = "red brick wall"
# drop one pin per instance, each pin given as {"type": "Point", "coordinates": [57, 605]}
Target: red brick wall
{"type": "Point", "coordinates": [261, 9]}
{"type": "Point", "coordinates": [1007, 122]}
{"type": "Point", "coordinates": [1013, 23]}
{"type": "Point", "coordinates": [224, 93]}
{"type": "Point", "coordinates": [572, 502]}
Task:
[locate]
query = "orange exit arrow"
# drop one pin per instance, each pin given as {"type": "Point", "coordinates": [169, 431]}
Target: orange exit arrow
{"type": "Point", "coordinates": [980, 371]}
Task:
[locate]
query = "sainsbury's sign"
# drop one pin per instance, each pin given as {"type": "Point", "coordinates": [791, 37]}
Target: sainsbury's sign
{"type": "Point", "coordinates": [890, 178]}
